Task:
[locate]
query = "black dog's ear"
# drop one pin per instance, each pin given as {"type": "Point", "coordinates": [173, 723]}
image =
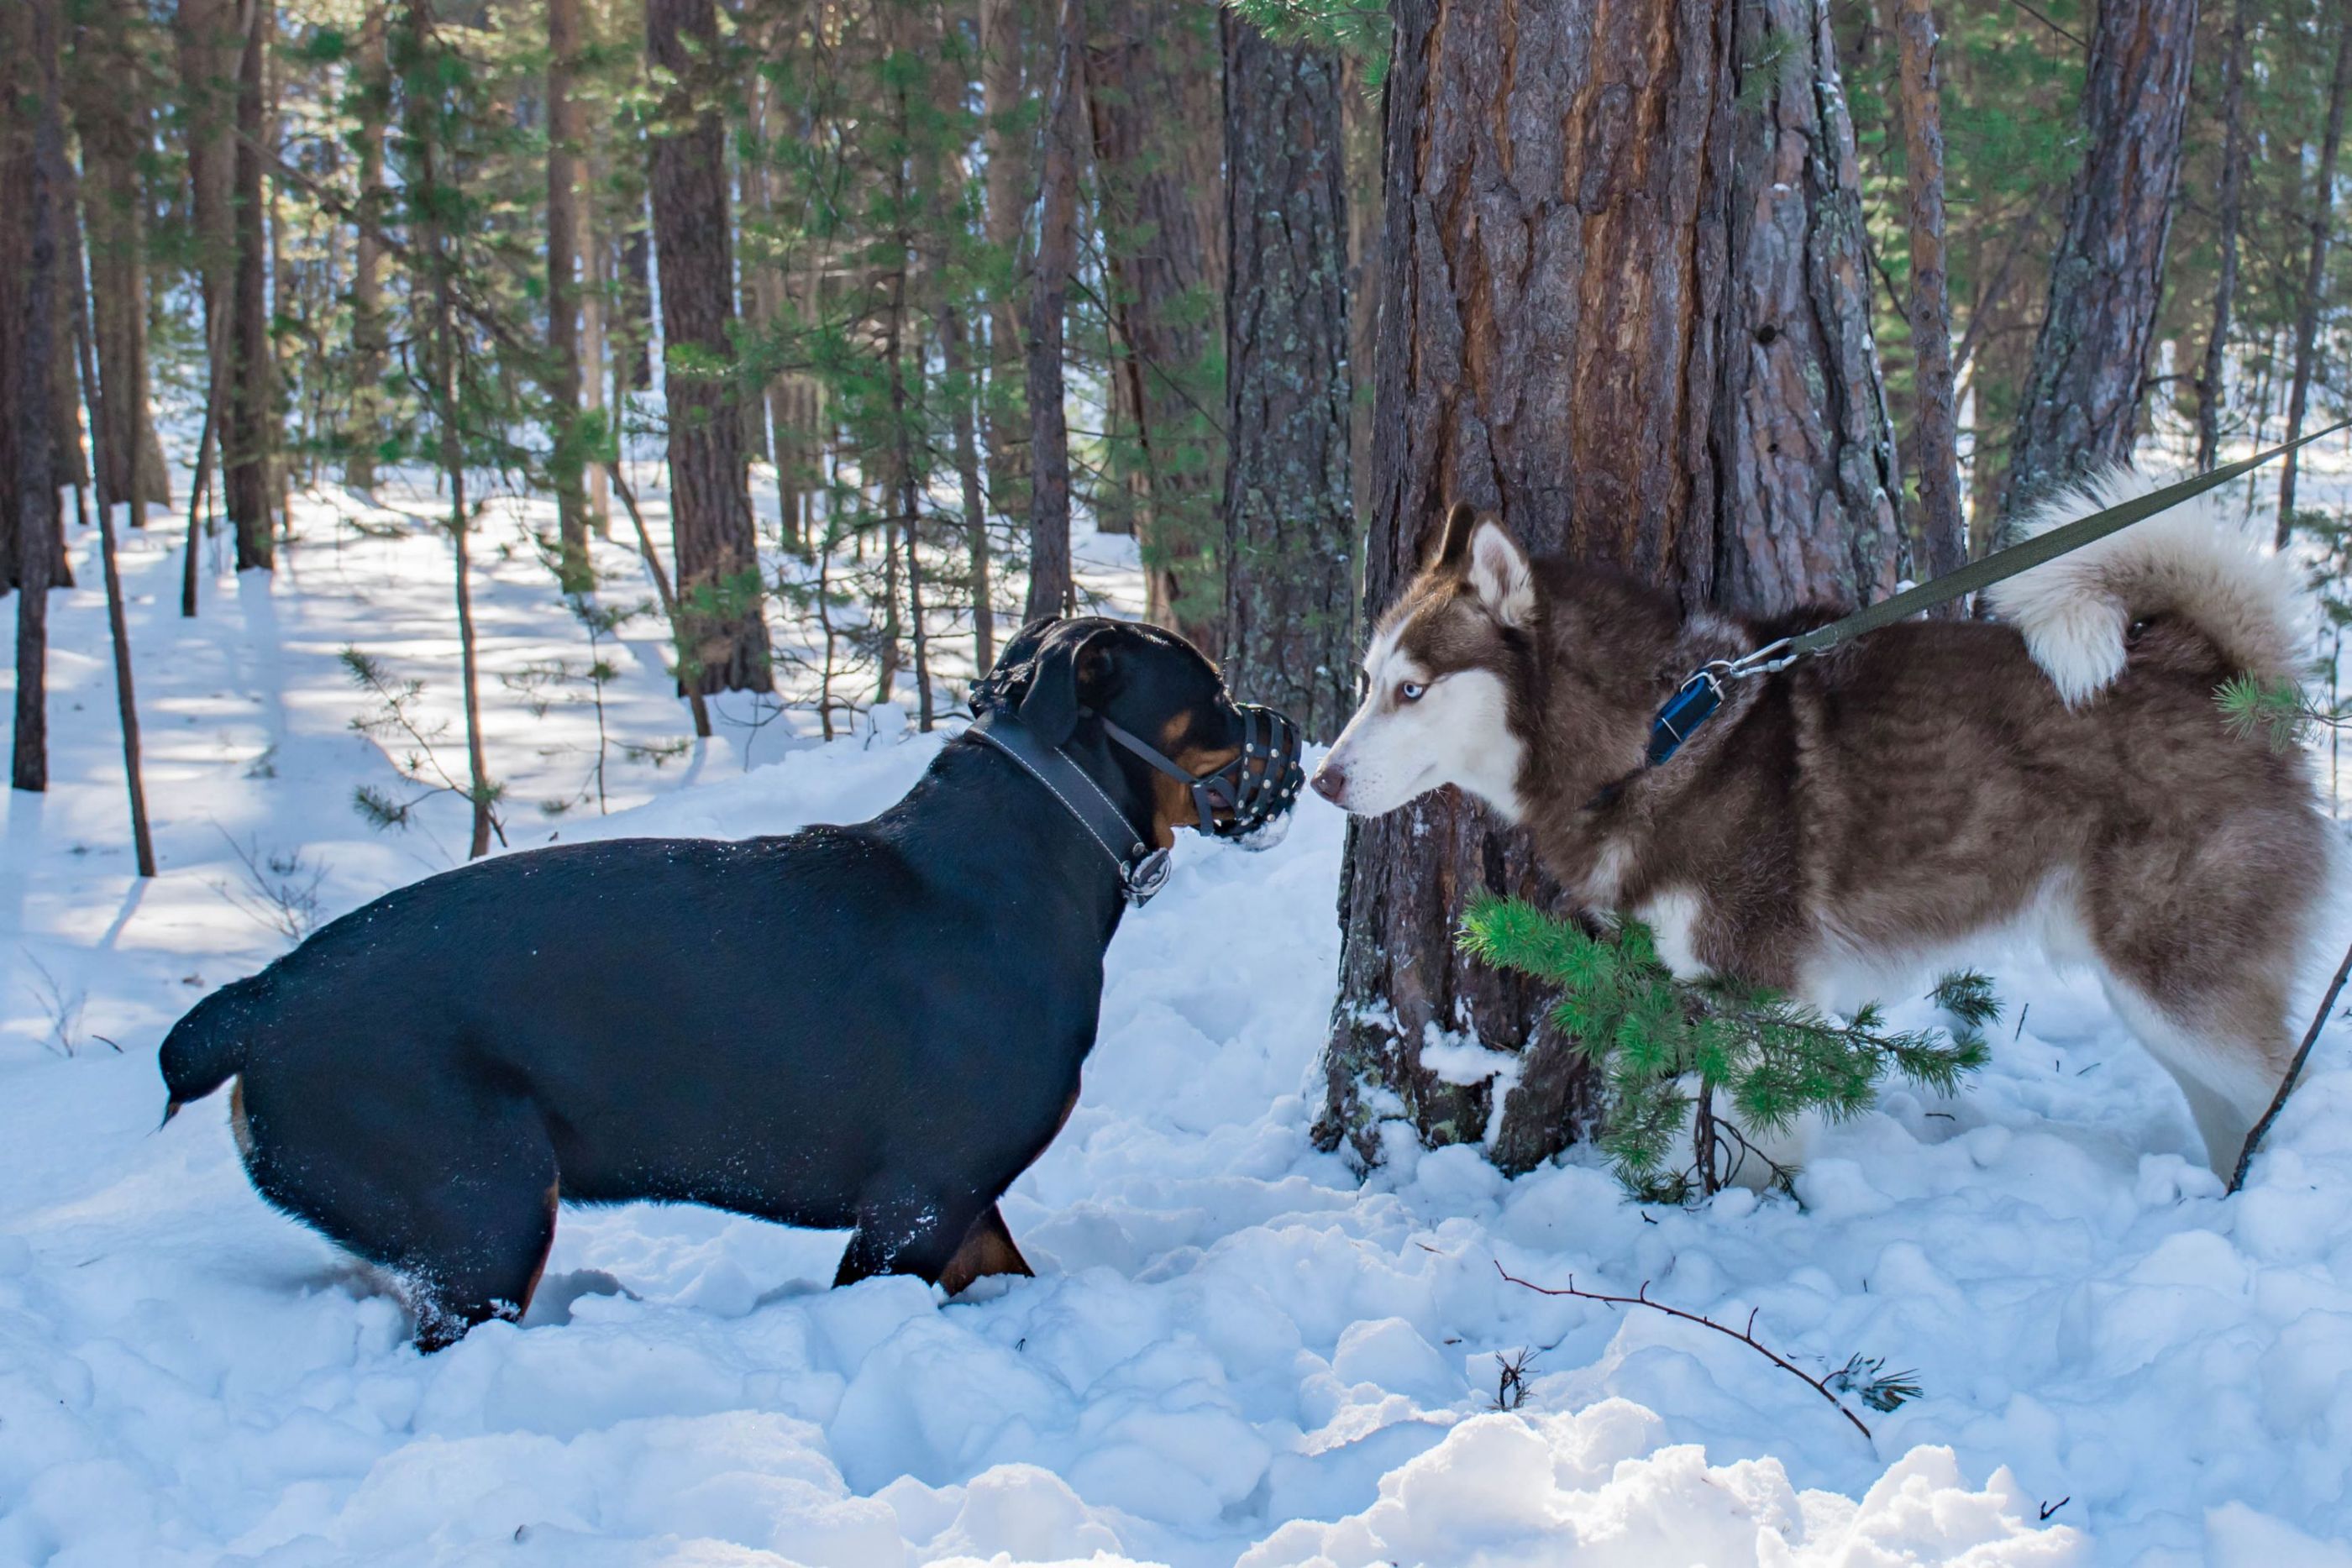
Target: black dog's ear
{"type": "Point", "coordinates": [1454, 547]}
{"type": "Point", "coordinates": [1024, 646]}
{"type": "Point", "coordinates": [1071, 672]}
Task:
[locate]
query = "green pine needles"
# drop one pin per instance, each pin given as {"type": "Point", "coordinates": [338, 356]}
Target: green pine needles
{"type": "Point", "coordinates": [1759, 1059]}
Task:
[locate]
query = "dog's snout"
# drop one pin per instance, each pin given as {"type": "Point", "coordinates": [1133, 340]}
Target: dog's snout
{"type": "Point", "coordinates": [1330, 781]}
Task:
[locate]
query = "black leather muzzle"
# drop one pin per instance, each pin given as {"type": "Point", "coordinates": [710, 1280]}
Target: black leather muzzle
{"type": "Point", "coordinates": [1252, 790]}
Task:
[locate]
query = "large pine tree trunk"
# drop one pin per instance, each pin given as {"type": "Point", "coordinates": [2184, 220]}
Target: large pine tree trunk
{"type": "Point", "coordinates": [1151, 68]}
{"type": "Point", "coordinates": [710, 505]}
{"type": "Point", "coordinates": [1623, 307]}
{"type": "Point", "coordinates": [107, 119]}
{"type": "Point", "coordinates": [2090, 360]}
{"type": "Point", "coordinates": [1290, 536]}
{"type": "Point", "coordinates": [2314, 276]}
{"type": "Point", "coordinates": [567, 134]}
{"type": "Point", "coordinates": [249, 432]}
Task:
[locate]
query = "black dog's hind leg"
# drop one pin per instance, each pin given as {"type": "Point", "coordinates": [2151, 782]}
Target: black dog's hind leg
{"type": "Point", "coordinates": [905, 1232]}
{"type": "Point", "coordinates": [483, 1245]}
{"type": "Point", "coordinates": [987, 1248]}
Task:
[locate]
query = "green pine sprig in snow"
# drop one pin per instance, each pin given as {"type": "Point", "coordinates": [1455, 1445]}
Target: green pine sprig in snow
{"type": "Point", "coordinates": [1758, 1059]}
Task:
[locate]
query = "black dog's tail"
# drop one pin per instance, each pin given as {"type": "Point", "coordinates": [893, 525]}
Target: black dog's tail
{"type": "Point", "coordinates": [207, 1047]}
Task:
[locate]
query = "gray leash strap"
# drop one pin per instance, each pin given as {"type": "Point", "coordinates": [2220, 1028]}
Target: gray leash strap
{"type": "Point", "coordinates": [2004, 564]}
{"type": "Point", "coordinates": [1696, 700]}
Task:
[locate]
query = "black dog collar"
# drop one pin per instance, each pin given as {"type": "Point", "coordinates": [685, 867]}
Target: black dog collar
{"type": "Point", "coordinates": [1142, 870]}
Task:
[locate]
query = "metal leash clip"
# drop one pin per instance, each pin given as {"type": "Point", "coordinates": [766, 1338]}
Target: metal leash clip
{"type": "Point", "coordinates": [1696, 700]}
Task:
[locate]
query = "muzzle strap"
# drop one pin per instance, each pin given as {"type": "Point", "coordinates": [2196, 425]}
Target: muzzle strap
{"type": "Point", "coordinates": [1255, 787]}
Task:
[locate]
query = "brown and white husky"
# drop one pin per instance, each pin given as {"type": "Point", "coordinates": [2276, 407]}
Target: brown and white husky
{"type": "Point", "coordinates": [1861, 812]}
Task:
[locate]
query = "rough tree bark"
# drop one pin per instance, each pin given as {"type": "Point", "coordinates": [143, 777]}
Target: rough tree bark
{"type": "Point", "coordinates": [710, 504]}
{"type": "Point", "coordinates": [1941, 531]}
{"type": "Point", "coordinates": [108, 121]}
{"type": "Point", "coordinates": [1290, 536]}
{"type": "Point", "coordinates": [1146, 68]}
{"type": "Point", "coordinates": [1625, 307]}
{"type": "Point", "coordinates": [2227, 219]}
{"type": "Point", "coordinates": [249, 428]}
{"type": "Point", "coordinates": [2314, 276]}
{"type": "Point", "coordinates": [1057, 244]}
{"type": "Point", "coordinates": [567, 135]}
{"type": "Point", "coordinates": [32, 156]}
{"type": "Point", "coordinates": [2090, 360]}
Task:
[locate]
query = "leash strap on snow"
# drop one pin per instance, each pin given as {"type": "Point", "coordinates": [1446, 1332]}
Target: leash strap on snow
{"type": "Point", "coordinates": [1696, 700]}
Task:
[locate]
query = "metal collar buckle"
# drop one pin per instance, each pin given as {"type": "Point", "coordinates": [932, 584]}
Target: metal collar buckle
{"type": "Point", "coordinates": [1143, 879]}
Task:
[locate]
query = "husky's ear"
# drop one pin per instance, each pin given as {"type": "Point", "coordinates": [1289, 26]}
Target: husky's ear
{"type": "Point", "coordinates": [1453, 553]}
{"type": "Point", "coordinates": [1072, 670]}
{"type": "Point", "coordinates": [1500, 575]}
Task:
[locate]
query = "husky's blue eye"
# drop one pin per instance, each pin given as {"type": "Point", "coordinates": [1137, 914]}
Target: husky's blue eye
{"type": "Point", "coordinates": [1410, 692]}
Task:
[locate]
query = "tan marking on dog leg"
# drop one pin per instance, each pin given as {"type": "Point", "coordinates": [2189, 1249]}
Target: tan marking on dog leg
{"type": "Point", "coordinates": [988, 1249]}
{"type": "Point", "coordinates": [554, 1194]}
{"type": "Point", "coordinates": [240, 1127]}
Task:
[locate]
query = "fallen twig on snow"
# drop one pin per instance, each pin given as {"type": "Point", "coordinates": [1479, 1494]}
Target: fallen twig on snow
{"type": "Point", "coordinates": [1746, 1336]}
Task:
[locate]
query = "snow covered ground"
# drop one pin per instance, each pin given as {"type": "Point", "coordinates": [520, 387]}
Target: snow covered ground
{"type": "Point", "coordinates": [1234, 1351]}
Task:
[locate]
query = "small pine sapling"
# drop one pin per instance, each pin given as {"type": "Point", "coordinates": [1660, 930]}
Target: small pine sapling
{"type": "Point", "coordinates": [1728, 1060]}
{"type": "Point", "coordinates": [394, 718]}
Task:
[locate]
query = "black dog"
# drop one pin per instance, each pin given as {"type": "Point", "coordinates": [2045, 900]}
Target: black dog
{"type": "Point", "coordinates": [877, 1026]}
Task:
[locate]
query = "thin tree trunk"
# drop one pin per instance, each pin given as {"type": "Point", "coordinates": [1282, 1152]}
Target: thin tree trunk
{"type": "Point", "coordinates": [960, 390]}
{"type": "Point", "coordinates": [209, 56]}
{"type": "Point", "coordinates": [2081, 408]}
{"type": "Point", "coordinates": [590, 249]}
{"type": "Point", "coordinates": [247, 435]}
{"type": "Point", "coordinates": [1162, 219]}
{"type": "Point", "coordinates": [1007, 187]}
{"type": "Point", "coordinates": [34, 156]}
{"type": "Point", "coordinates": [200, 485]}
{"type": "Point", "coordinates": [1599, 332]}
{"type": "Point", "coordinates": [566, 136]}
{"type": "Point", "coordinates": [1290, 537]}
{"type": "Point", "coordinates": [2210, 386]}
{"type": "Point", "coordinates": [667, 595]}
{"type": "Point", "coordinates": [2315, 278]}
{"type": "Point", "coordinates": [445, 351]}
{"type": "Point", "coordinates": [107, 119]}
{"type": "Point", "coordinates": [369, 339]}
{"type": "Point", "coordinates": [1050, 586]}
{"type": "Point", "coordinates": [1943, 533]}
{"type": "Point", "coordinates": [710, 506]}
{"type": "Point", "coordinates": [126, 699]}
{"type": "Point", "coordinates": [633, 361]}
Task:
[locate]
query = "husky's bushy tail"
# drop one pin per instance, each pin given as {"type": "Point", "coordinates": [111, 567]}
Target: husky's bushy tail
{"type": "Point", "coordinates": [2194, 562]}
